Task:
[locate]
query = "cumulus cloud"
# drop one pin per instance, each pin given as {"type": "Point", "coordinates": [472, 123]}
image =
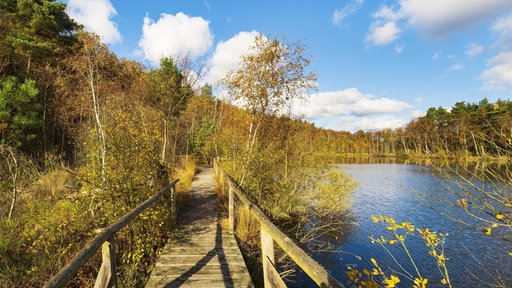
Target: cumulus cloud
{"type": "Point", "coordinates": [442, 17]}
{"type": "Point", "coordinates": [353, 124]}
{"type": "Point", "coordinates": [340, 14]}
{"type": "Point", "coordinates": [348, 102]}
{"type": "Point", "coordinates": [370, 106]}
{"type": "Point", "coordinates": [434, 18]}
{"type": "Point", "coordinates": [498, 75]}
{"type": "Point", "coordinates": [382, 34]}
{"type": "Point", "coordinates": [177, 36]}
{"type": "Point", "coordinates": [227, 55]}
{"type": "Point", "coordinates": [417, 114]}
{"type": "Point", "coordinates": [96, 16]}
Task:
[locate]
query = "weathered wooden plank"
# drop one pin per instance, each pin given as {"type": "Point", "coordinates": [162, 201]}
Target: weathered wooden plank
{"type": "Point", "coordinates": [234, 269]}
{"type": "Point", "coordinates": [192, 283]}
{"type": "Point", "coordinates": [199, 249]}
{"type": "Point", "coordinates": [199, 259]}
{"type": "Point", "coordinates": [201, 253]}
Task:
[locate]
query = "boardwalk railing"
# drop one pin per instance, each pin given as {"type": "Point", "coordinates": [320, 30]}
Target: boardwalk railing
{"type": "Point", "coordinates": [105, 239]}
{"type": "Point", "coordinates": [269, 234]}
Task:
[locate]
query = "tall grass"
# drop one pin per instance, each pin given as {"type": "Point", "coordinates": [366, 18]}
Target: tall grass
{"type": "Point", "coordinates": [185, 172]}
{"type": "Point", "coordinates": [48, 230]}
{"type": "Point", "coordinates": [54, 184]}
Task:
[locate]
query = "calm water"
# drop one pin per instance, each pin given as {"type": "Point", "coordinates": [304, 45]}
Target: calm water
{"type": "Point", "coordinates": [399, 191]}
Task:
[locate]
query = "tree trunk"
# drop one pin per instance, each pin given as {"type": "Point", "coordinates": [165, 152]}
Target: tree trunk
{"type": "Point", "coordinates": [96, 111]}
{"type": "Point", "coordinates": [164, 145]}
{"type": "Point", "coordinates": [14, 171]}
{"type": "Point", "coordinates": [250, 146]}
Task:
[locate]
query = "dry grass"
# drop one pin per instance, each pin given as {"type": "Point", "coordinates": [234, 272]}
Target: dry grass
{"type": "Point", "coordinates": [54, 184]}
{"type": "Point", "coordinates": [185, 171]}
{"type": "Point", "coordinates": [247, 228]}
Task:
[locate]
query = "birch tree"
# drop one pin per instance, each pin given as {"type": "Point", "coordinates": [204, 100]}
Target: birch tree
{"type": "Point", "coordinates": [15, 174]}
{"type": "Point", "coordinates": [270, 78]}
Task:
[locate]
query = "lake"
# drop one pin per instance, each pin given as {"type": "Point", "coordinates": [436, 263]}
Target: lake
{"type": "Point", "coordinates": [401, 191]}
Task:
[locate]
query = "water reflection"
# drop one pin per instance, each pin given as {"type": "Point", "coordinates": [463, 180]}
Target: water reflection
{"type": "Point", "coordinates": [402, 191]}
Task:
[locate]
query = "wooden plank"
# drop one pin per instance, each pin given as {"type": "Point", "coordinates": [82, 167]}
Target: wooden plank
{"type": "Point", "coordinates": [235, 269]}
{"type": "Point", "coordinates": [201, 253]}
{"type": "Point", "coordinates": [192, 283]}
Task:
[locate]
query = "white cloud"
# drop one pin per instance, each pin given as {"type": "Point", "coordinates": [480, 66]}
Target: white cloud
{"type": "Point", "coordinates": [348, 102]}
{"type": "Point", "coordinates": [498, 75]}
{"type": "Point", "coordinates": [383, 34]}
{"type": "Point", "coordinates": [387, 13]}
{"type": "Point", "coordinates": [340, 14]}
{"type": "Point", "coordinates": [177, 36]}
{"type": "Point", "coordinates": [353, 124]}
{"type": "Point", "coordinates": [434, 18]}
{"type": "Point", "coordinates": [456, 67]}
{"type": "Point", "coordinates": [435, 56]}
{"type": "Point", "coordinates": [371, 106]}
{"type": "Point", "coordinates": [502, 28]}
{"type": "Point", "coordinates": [441, 17]}
{"type": "Point", "coordinates": [96, 16]}
{"type": "Point", "coordinates": [474, 50]}
{"type": "Point", "coordinates": [227, 55]}
{"type": "Point", "coordinates": [417, 114]}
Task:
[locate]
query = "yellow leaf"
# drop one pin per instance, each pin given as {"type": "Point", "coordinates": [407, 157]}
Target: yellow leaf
{"type": "Point", "coordinates": [499, 216]}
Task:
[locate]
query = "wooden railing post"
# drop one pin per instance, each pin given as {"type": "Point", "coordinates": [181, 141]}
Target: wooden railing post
{"type": "Point", "coordinates": [174, 206]}
{"type": "Point", "coordinates": [271, 277]}
{"type": "Point", "coordinates": [270, 234]}
{"type": "Point", "coordinates": [107, 276]}
{"type": "Point", "coordinates": [104, 239]}
{"type": "Point", "coordinates": [231, 208]}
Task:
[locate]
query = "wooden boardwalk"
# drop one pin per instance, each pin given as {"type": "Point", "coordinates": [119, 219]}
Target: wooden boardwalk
{"type": "Point", "coordinates": [201, 253]}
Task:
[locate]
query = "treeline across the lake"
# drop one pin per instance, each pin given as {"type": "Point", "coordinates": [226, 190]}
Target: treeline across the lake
{"type": "Point", "coordinates": [466, 130]}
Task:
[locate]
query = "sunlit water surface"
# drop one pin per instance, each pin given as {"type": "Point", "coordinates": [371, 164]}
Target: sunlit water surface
{"type": "Point", "coordinates": [401, 191]}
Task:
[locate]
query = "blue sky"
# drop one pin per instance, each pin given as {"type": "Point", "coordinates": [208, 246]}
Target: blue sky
{"type": "Point", "coordinates": [379, 63]}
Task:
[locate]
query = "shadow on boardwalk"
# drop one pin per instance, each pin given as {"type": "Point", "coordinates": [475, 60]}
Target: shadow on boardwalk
{"type": "Point", "coordinates": [200, 253]}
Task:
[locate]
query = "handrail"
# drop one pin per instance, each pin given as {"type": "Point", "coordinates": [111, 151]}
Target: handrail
{"type": "Point", "coordinates": [271, 232]}
{"type": "Point", "coordinates": [71, 268]}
